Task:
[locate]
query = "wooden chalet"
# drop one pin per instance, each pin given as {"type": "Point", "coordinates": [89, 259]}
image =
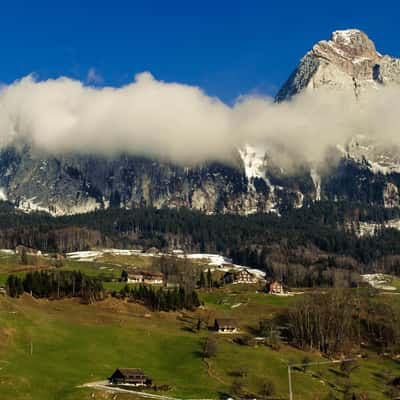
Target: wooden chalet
{"type": "Point", "coordinates": [241, 276]}
{"type": "Point", "coordinates": [226, 325]}
{"type": "Point", "coordinates": [129, 376]}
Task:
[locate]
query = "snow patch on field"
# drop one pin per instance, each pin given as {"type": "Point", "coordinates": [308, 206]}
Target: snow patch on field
{"type": "Point", "coordinates": [7, 251]}
{"type": "Point", "coordinates": [92, 255]}
{"type": "Point", "coordinates": [378, 281]}
{"type": "Point", "coordinates": [84, 255]}
{"type": "Point", "coordinates": [213, 261]}
{"type": "Point", "coordinates": [221, 263]}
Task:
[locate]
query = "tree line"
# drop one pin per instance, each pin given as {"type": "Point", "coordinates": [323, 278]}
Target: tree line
{"type": "Point", "coordinates": [56, 285]}
{"type": "Point", "coordinates": [339, 321]}
{"type": "Point", "coordinates": [160, 299]}
{"type": "Point", "coordinates": [325, 226]}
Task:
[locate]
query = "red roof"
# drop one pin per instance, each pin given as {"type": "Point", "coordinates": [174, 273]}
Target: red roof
{"type": "Point", "coordinates": [275, 284]}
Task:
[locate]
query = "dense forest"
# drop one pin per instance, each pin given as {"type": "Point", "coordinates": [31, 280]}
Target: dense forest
{"type": "Point", "coordinates": [161, 299]}
{"type": "Point", "coordinates": [56, 285]}
{"type": "Point", "coordinates": [319, 235]}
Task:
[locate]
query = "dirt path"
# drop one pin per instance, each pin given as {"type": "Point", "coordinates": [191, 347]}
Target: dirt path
{"type": "Point", "coordinates": [103, 385]}
{"type": "Point", "coordinates": [213, 374]}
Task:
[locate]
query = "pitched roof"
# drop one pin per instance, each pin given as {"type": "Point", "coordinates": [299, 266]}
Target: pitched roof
{"type": "Point", "coordinates": [275, 284]}
{"type": "Point", "coordinates": [245, 271]}
{"type": "Point", "coordinates": [127, 372]}
{"type": "Point", "coordinates": [147, 274]}
{"type": "Point", "coordinates": [226, 323]}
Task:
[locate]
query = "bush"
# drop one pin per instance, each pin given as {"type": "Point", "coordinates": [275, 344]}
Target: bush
{"type": "Point", "coordinates": [267, 388]}
{"type": "Point", "coordinates": [210, 347]}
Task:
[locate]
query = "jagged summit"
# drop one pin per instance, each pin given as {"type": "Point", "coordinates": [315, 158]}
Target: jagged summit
{"type": "Point", "coordinates": [348, 61]}
{"type": "Point", "coordinates": [366, 170]}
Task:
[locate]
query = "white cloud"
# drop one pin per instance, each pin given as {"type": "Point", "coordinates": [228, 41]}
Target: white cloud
{"type": "Point", "coordinates": [181, 123]}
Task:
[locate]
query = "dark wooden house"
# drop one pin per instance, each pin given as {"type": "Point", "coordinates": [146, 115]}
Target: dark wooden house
{"type": "Point", "coordinates": [240, 276]}
{"type": "Point", "coordinates": [226, 325]}
{"type": "Point", "coordinates": [129, 376]}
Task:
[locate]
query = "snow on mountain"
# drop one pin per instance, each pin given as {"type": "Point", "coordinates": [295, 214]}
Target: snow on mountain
{"type": "Point", "coordinates": [255, 163]}
{"type": "Point", "coordinates": [366, 171]}
{"type": "Point", "coordinates": [3, 195]}
{"type": "Point", "coordinates": [369, 229]}
{"type": "Point", "coordinates": [349, 61]}
{"type": "Point", "coordinates": [316, 178]}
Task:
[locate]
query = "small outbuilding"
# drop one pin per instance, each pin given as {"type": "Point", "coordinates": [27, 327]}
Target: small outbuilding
{"type": "Point", "coordinates": [130, 376]}
{"type": "Point", "coordinates": [226, 325]}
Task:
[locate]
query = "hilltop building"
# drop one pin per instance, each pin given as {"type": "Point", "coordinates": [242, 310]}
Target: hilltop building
{"type": "Point", "coordinates": [226, 325]}
{"type": "Point", "coordinates": [129, 376]}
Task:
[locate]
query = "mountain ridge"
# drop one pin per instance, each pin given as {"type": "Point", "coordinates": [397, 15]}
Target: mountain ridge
{"type": "Point", "coordinates": [73, 183]}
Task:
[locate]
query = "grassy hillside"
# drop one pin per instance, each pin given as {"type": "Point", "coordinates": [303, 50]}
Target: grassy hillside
{"type": "Point", "coordinates": [49, 348]}
{"type": "Point", "coordinates": [73, 344]}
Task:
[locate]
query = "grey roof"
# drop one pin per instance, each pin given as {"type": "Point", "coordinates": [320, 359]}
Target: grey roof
{"type": "Point", "coordinates": [226, 323]}
{"type": "Point", "coordinates": [127, 372]}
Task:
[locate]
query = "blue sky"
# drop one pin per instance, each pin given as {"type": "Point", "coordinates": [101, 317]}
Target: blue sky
{"type": "Point", "coordinates": [228, 48]}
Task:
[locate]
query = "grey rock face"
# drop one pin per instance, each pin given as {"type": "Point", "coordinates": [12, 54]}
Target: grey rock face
{"type": "Point", "coordinates": [70, 184]}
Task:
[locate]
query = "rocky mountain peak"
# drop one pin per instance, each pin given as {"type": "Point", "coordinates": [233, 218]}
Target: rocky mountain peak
{"type": "Point", "coordinates": [351, 51]}
{"type": "Point", "coordinates": [355, 42]}
{"type": "Point", "coordinates": [347, 61]}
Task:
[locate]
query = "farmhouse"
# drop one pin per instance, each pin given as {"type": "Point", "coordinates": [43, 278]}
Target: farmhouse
{"type": "Point", "coordinates": [241, 276]}
{"type": "Point", "coordinates": [129, 376]}
{"type": "Point", "coordinates": [226, 325]}
{"type": "Point", "coordinates": [135, 277]}
{"type": "Point", "coordinates": [147, 277]}
{"type": "Point", "coordinates": [275, 288]}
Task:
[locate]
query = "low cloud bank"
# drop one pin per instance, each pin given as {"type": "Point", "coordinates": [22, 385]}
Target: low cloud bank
{"type": "Point", "coordinates": [181, 123]}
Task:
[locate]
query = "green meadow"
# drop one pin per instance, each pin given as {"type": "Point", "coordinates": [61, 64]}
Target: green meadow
{"type": "Point", "coordinates": [50, 348]}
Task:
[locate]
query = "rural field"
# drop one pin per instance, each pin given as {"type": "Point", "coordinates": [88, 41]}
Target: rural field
{"type": "Point", "coordinates": [48, 349]}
